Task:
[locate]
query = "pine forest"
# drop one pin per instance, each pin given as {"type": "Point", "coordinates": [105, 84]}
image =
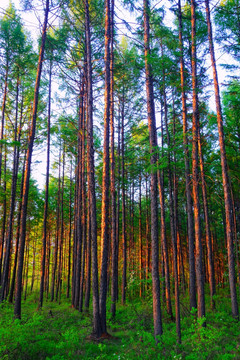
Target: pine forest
{"type": "Point", "coordinates": [119, 179]}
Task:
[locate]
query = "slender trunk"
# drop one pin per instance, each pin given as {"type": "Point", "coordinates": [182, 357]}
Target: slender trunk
{"type": "Point", "coordinates": [225, 177]}
{"type": "Point", "coordinates": [69, 234]}
{"type": "Point", "coordinates": [55, 262]}
{"type": "Point", "coordinates": [83, 218]}
{"type": "Point", "coordinates": [45, 220]}
{"type": "Point", "coordinates": [6, 274]}
{"type": "Point", "coordinates": [17, 307]}
{"type": "Point", "coordinates": [140, 251]}
{"type": "Point", "coordinates": [124, 235]}
{"type": "Point", "coordinates": [60, 260]}
{"type": "Point", "coordinates": [210, 262]}
{"type": "Point", "coordinates": [164, 246]}
{"type": "Point", "coordinates": [4, 278]}
{"type": "Point", "coordinates": [154, 206]}
{"type": "Point", "coordinates": [195, 179]}
{"type": "Point", "coordinates": [190, 223]}
{"type": "Point", "coordinates": [105, 177]}
{"type": "Point", "coordinates": [88, 266]}
{"type": "Point", "coordinates": [26, 269]}
{"type": "Point", "coordinates": [114, 264]}
{"type": "Point", "coordinates": [91, 179]}
{"type": "Point", "coordinates": [17, 237]}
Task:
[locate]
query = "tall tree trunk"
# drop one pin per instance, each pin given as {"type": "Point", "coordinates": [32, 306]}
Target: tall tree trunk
{"type": "Point", "coordinates": [17, 235]}
{"type": "Point", "coordinates": [6, 274]}
{"type": "Point", "coordinates": [56, 247]}
{"type": "Point", "coordinates": [124, 235]}
{"type": "Point", "coordinates": [164, 245]}
{"type": "Point", "coordinates": [157, 318]}
{"type": "Point", "coordinates": [105, 177]}
{"type": "Point", "coordinates": [83, 218]}
{"type": "Point", "coordinates": [225, 178]}
{"type": "Point", "coordinates": [195, 180]}
{"type": "Point", "coordinates": [78, 204]}
{"type": "Point", "coordinates": [60, 259]}
{"type": "Point", "coordinates": [140, 251]}
{"type": "Point", "coordinates": [88, 265]}
{"type": "Point", "coordinates": [190, 222]}
{"type": "Point", "coordinates": [114, 283]}
{"type": "Point", "coordinates": [69, 234]}
{"type": "Point", "coordinates": [45, 219]}
{"type": "Point", "coordinates": [91, 179]}
{"type": "Point", "coordinates": [207, 225]}
{"type": "Point", "coordinates": [3, 235]}
{"type": "Point", "coordinates": [17, 307]}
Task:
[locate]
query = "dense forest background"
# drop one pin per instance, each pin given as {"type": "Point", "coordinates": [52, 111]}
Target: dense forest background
{"type": "Point", "coordinates": [137, 224]}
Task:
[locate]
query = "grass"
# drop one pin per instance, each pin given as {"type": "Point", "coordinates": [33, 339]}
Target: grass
{"type": "Point", "coordinates": [58, 332]}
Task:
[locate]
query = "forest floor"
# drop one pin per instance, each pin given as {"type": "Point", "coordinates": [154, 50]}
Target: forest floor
{"type": "Point", "coordinates": [58, 332]}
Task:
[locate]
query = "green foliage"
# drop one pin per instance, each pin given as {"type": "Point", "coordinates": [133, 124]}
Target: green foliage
{"type": "Point", "coordinates": [58, 332]}
{"type": "Point", "coordinates": [228, 21]}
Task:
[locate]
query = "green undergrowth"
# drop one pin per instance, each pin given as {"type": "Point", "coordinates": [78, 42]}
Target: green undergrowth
{"type": "Point", "coordinates": [58, 332]}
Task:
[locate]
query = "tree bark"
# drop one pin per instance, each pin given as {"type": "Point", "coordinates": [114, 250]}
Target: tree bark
{"type": "Point", "coordinates": [91, 179]}
{"type": "Point", "coordinates": [45, 220]}
{"type": "Point", "coordinates": [225, 176]}
{"type": "Point", "coordinates": [17, 307]}
{"type": "Point", "coordinates": [190, 222]}
{"type": "Point", "coordinates": [105, 178]}
{"type": "Point", "coordinates": [195, 179]}
{"type": "Point", "coordinates": [153, 151]}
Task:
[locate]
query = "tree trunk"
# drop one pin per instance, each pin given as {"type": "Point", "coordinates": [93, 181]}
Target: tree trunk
{"type": "Point", "coordinates": [105, 177]}
{"type": "Point", "coordinates": [195, 180]}
{"type": "Point", "coordinates": [207, 225]}
{"type": "Point", "coordinates": [17, 307]}
{"type": "Point", "coordinates": [91, 179]}
{"type": "Point", "coordinates": [124, 235]}
{"type": "Point", "coordinates": [114, 283]}
{"type": "Point", "coordinates": [45, 220]}
{"type": "Point", "coordinates": [69, 234]}
{"type": "Point", "coordinates": [154, 206]}
{"type": "Point", "coordinates": [190, 223]}
{"type": "Point", "coordinates": [17, 236]}
{"type": "Point", "coordinates": [225, 178]}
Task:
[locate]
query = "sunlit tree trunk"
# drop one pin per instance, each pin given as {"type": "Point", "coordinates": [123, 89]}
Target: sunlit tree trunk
{"type": "Point", "coordinates": [69, 234]}
{"type": "Point", "coordinates": [5, 277]}
{"type": "Point", "coordinates": [225, 178]}
{"type": "Point", "coordinates": [17, 236]}
{"type": "Point", "coordinates": [45, 220]}
{"type": "Point", "coordinates": [114, 283]}
{"type": "Point", "coordinates": [195, 175]}
{"type": "Point", "coordinates": [56, 247]}
{"type": "Point", "coordinates": [124, 235]}
{"type": "Point", "coordinates": [190, 222]}
{"type": "Point", "coordinates": [83, 217]}
{"type": "Point", "coordinates": [17, 307]}
{"type": "Point", "coordinates": [153, 151]}
{"type": "Point", "coordinates": [207, 224]}
{"type": "Point", "coordinates": [91, 179]}
{"type": "Point", "coordinates": [105, 176]}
